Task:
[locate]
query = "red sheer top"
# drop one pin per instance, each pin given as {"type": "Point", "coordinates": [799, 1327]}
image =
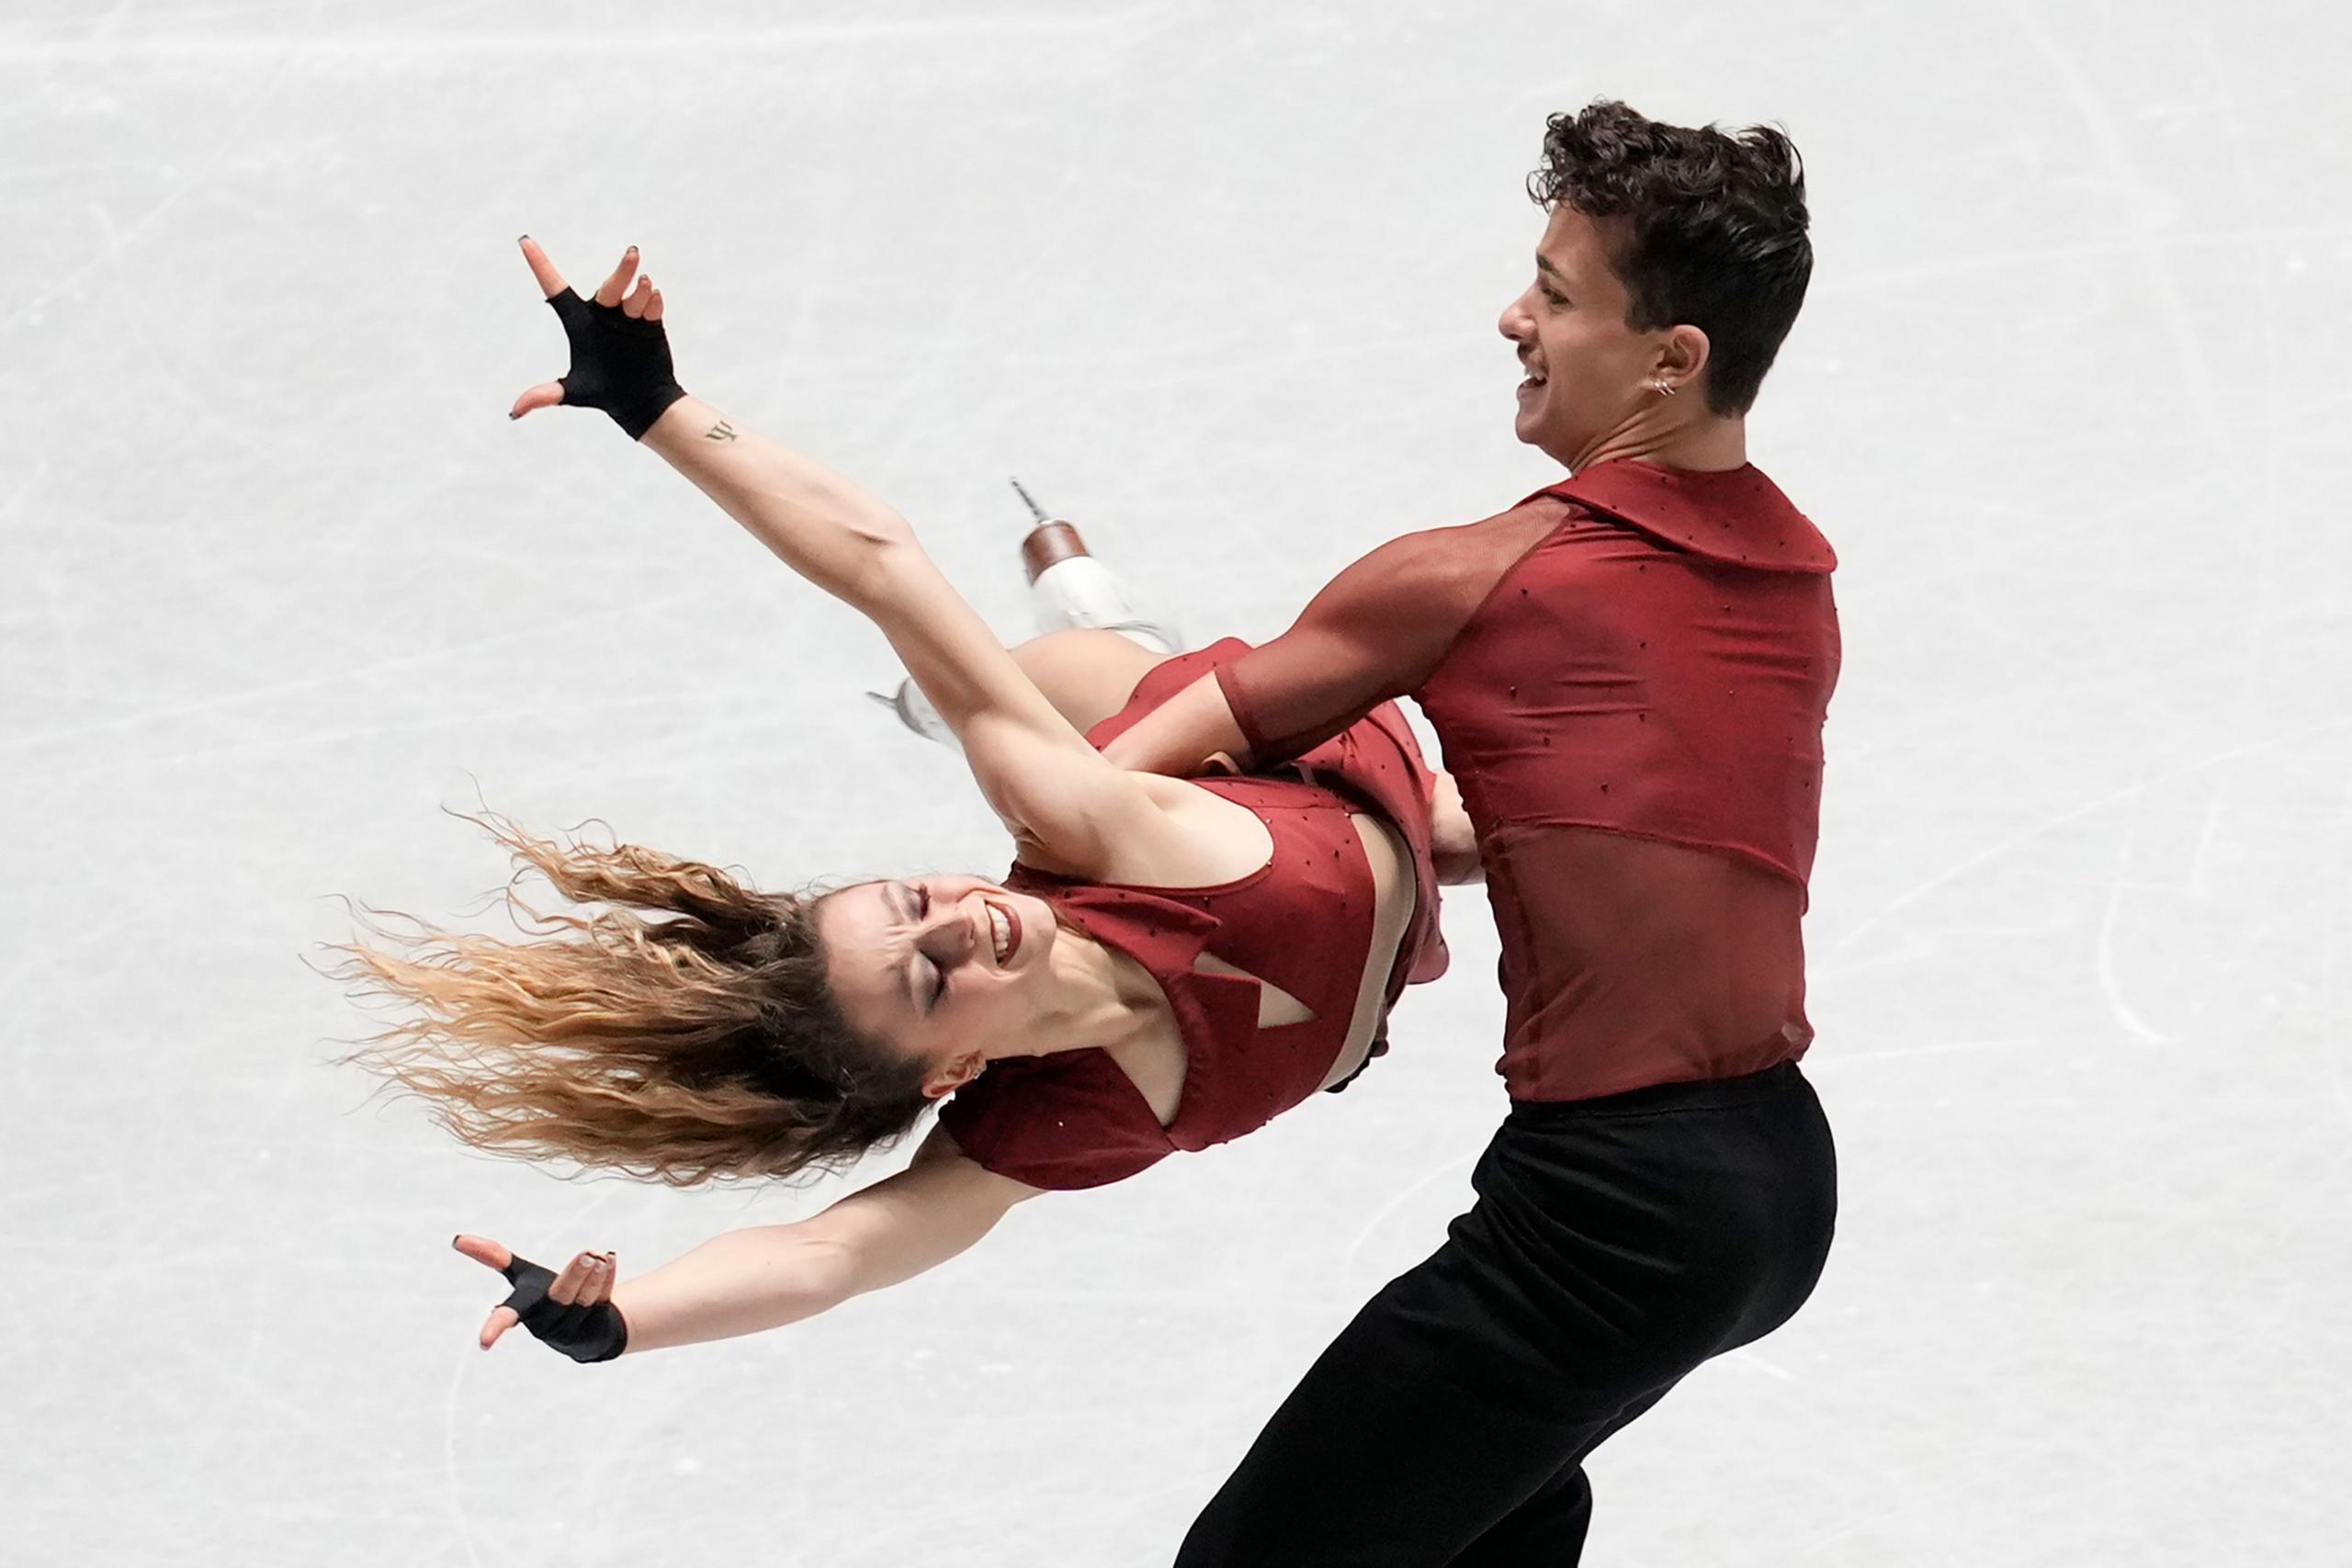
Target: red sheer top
{"type": "Point", "coordinates": [1629, 672]}
{"type": "Point", "coordinates": [1303, 922]}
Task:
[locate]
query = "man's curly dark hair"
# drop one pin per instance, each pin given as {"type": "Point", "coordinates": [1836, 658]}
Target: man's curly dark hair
{"type": "Point", "coordinates": [1703, 226]}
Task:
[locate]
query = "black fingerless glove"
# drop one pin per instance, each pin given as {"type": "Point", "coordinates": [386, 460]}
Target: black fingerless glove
{"type": "Point", "coordinates": [619, 363]}
{"type": "Point", "coordinates": [583, 1332]}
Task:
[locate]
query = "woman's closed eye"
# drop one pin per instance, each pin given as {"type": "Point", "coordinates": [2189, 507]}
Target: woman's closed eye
{"type": "Point", "coordinates": [938, 979]}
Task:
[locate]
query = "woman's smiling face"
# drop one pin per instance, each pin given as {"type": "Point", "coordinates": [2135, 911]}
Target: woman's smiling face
{"type": "Point", "coordinates": [950, 970]}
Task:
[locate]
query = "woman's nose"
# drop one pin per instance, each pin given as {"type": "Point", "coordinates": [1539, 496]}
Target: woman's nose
{"type": "Point", "coordinates": [951, 939]}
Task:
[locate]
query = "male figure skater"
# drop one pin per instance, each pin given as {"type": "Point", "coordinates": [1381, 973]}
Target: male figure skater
{"type": "Point", "coordinates": [1628, 671]}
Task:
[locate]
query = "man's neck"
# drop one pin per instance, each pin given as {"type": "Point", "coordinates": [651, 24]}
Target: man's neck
{"type": "Point", "coordinates": [1707, 445]}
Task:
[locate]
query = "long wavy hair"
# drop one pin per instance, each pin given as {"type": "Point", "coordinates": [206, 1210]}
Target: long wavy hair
{"type": "Point", "coordinates": [703, 1044]}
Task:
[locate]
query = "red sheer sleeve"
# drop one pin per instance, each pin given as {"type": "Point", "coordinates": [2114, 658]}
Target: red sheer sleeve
{"type": "Point", "coordinates": [1376, 632]}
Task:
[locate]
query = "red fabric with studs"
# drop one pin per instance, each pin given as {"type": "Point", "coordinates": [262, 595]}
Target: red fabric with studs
{"type": "Point", "coordinates": [1303, 922]}
{"type": "Point", "coordinates": [1629, 672]}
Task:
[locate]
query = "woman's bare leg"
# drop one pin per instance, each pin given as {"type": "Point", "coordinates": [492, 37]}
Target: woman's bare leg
{"type": "Point", "coordinates": [1087, 674]}
{"type": "Point", "coordinates": [1455, 841]}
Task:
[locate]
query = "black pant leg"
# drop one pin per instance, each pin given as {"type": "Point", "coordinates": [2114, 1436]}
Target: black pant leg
{"type": "Point", "coordinates": [1548, 1529]}
{"type": "Point", "coordinates": [1792, 1158]}
{"type": "Point", "coordinates": [1615, 1244]}
{"type": "Point", "coordinates": [1424, 1422]}
{"type": "Point", "coordinates": [1463, 1388]}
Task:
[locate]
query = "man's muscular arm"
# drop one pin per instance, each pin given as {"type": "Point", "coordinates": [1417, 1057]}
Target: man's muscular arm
{"type": "Point", "coordinates": [1188, 734]}
{"type": "Point", "coordinates": [1376, 632]}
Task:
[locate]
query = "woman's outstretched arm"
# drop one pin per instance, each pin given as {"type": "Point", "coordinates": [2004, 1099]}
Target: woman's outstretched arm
{"type": "Point", "coordinates": [763, 1277]}
{"type": "Point", "coordinates": [767, 1276]}
{"type": "Point", "coordinates": [1070, 809]}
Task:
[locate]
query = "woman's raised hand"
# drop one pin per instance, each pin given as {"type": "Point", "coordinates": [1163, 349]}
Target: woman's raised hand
{"type": "Point", "coordinates": [572, 1310]}
{"type": "Point", "coordinates": [620, 354]}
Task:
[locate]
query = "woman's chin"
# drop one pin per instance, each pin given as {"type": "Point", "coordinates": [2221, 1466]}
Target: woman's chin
{"type": "Point", "coordinates": [1037, 929]}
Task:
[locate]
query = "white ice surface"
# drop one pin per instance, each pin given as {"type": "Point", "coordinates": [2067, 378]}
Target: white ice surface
{"type": "Point", "coordinates": [2069, 396]}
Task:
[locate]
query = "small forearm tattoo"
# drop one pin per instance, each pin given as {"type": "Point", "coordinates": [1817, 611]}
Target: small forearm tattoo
{"type": "Point", "coordinates": [722, 431]}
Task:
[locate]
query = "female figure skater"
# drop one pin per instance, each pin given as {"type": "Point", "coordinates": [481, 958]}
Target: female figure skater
{"type": "Point", "coordinates": [1168, 964]}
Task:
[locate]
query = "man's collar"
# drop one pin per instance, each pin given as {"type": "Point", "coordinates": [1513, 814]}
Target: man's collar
{"type": "Point", "coordinates": [1735, 515]}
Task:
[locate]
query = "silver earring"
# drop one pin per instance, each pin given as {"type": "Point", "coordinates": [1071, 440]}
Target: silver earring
{"type": "Point", "coordinates": [1664, 387]}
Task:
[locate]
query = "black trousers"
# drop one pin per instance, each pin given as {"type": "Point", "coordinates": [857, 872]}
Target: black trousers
{"type": "Point", "coordinates": [1616, 1244]}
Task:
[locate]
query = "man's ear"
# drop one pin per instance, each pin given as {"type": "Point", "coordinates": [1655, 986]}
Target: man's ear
{"type": "Point", "coordinates": [957, 1072]}
{"type": "Point", "coordinates": [1682, 358]}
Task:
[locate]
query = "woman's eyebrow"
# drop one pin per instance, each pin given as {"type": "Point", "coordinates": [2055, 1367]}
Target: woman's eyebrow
{"type": "Point", "coordinates": [902, 899]}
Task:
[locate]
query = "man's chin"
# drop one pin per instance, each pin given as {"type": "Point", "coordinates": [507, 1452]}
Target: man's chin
{"type": "Point", "coordinates": [1531, 430]}
{"type": "Point", "coordinates": [1545, 436]}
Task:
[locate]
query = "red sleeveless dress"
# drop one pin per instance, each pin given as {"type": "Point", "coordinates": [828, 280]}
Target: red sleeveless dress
{"type": "Point", "coordinates": [1303, 922]}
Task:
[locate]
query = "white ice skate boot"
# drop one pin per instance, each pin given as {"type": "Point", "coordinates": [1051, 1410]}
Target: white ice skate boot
{"type": "Point", "coordinates": [1068, 588]}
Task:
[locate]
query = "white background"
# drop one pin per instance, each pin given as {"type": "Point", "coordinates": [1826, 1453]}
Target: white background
{"type": "Point", "coordinates": [1219, 283]}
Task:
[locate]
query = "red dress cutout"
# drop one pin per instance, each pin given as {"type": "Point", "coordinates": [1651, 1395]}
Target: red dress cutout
{"type": "Point", "coordinates": [1303, 922]}
{"type": "Point", "coordinates": [1629, 672]}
